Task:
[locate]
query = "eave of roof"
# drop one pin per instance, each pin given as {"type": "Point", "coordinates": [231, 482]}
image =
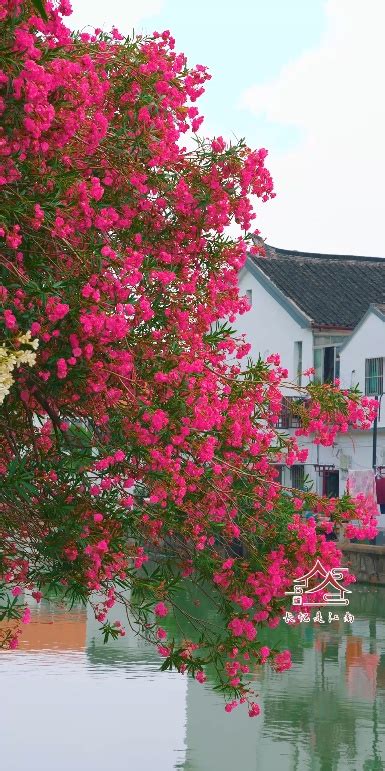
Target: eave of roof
{"type": "Point", "coordinates": [374, 308]}
{"type": "Point", "coordinates": [285, 302]}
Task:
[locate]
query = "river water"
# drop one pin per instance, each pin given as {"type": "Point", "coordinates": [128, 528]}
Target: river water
{"type": "Point", "coordinates": [70, 703]}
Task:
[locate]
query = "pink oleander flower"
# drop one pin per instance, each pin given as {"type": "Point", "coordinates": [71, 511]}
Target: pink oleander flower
{"type": "Point", "coordinates": [161, 610]}
{"type": "Point", "coordinates": [26, 617]}
{"type": "Point", "coordinates": [254, 709]}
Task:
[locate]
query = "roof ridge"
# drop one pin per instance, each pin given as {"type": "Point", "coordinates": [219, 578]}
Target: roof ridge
{"type": "Point", "coordinates": [318, 255]}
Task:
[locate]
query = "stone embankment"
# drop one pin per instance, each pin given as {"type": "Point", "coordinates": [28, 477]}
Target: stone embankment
{"type": "Point", "coordinates": [366, 562]}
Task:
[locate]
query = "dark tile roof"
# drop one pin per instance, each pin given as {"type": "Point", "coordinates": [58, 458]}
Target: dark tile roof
{"type": "Point", "coordinates": [333, 290]}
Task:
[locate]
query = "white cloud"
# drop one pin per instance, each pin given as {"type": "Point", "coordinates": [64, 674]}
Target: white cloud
{"type": "Point", "coordinates": [330, 186]}
{"type": "Point", "coordinates": [123, 14]}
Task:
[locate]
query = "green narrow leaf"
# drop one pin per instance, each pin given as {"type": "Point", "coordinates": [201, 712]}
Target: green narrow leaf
{"type": "Point", "coordinates": [39, 7]}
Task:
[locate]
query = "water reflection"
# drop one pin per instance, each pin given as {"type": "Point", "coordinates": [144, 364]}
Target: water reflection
{"type": "Point", "coordinates": [326, 714]}
{"type": "Point", "coordinates": [70, 702]}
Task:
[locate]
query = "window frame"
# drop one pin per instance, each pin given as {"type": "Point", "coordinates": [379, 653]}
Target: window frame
{"type": "Point", "coordinates": [287, 419]}
{"type": "Point", "coordinates": [336, 362]}
{"type": "Point", "coordinates": [297, 467]}
{"type": "Point", "coordinates": [298, 361]}
{"type": "Point", "coordinates": [377, 378]}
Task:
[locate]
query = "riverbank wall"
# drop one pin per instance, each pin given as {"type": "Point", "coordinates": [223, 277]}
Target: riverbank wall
{"type": "Point", "coordinates": [366, 562]}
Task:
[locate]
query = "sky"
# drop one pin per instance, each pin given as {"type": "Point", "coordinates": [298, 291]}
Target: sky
{"type": "Point", "coordinates": [303, 78]}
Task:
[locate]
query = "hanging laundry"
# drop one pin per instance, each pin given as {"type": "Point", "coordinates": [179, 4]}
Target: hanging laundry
{"type": "Point", "coordinates": [361, 481]}
{"type": "Point", "coordinates": [380, 490]}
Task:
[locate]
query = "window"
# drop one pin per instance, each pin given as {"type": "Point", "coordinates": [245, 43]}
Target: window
{"type": "Point", "coordinates": [249, 296]}
{"type": "Point", "coordinates": [298, 477]}
{"type": "Point", "coordinates": [337, 362]}
{"type": "Point", "coordinates": [289, 417]}
{"type": "Point", "coordinates": [298, 362]}
{"type": "Point", "coordinates": [374, 376]}
{"type": "Point", "coordinates": [331, 484]}
{"type": "Point", "coordinates": [327, 363]}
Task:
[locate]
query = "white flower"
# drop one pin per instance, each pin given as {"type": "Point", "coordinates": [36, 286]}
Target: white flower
{"type": "Point", "coordinates": [11, 359]}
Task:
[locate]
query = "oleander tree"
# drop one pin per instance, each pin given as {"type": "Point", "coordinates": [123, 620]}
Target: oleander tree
{"type": "Point", "coordinates": [139, 443]}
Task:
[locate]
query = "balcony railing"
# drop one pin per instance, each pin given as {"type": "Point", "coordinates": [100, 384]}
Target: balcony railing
{"type": "Point", "coordinates": [289, 417]}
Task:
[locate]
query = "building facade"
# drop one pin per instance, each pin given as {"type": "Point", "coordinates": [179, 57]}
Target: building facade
{"type": "Point", "coordinates": [326, 312]}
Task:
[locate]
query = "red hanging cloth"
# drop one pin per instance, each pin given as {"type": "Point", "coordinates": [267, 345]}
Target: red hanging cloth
{"type": "Point", "coordinates": [380, 490]}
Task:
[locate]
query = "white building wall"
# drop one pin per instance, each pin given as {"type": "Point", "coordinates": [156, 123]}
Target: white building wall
{"type": "Point", "coordinates": [269, 328]}
{"type": "Point", "coordinates": [367, 342]}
